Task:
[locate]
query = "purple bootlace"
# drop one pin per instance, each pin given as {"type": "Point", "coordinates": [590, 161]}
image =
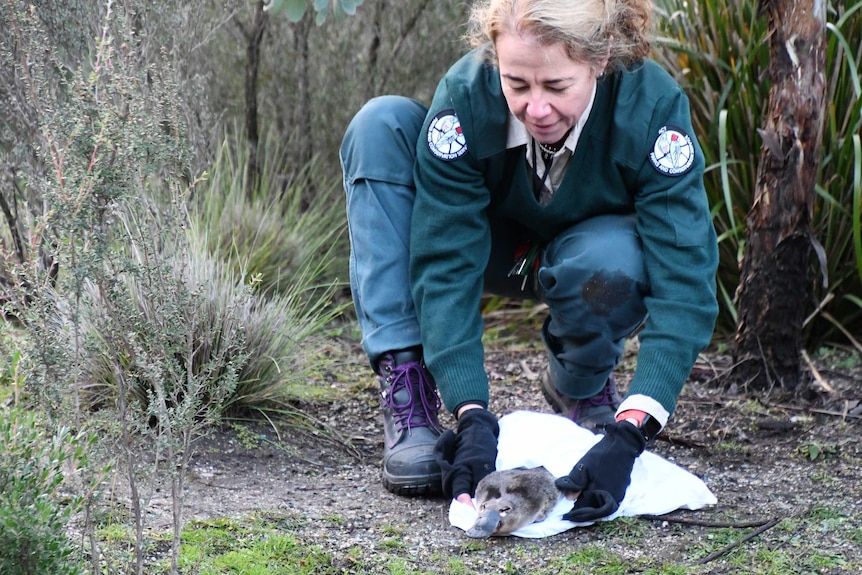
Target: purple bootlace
{"type": "Point", "coordinates": [413, 378]}
{"type": "Point", "coordinates": [607, 396]}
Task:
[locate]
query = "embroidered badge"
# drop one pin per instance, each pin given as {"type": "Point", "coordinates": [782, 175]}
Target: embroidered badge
{"type": "Point", "coordinates": [673, 152]}
{"type": "Point", "coordinates": [445, 137]}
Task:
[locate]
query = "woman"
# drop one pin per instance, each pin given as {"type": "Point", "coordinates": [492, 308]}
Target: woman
{"type": "Point", "coordinates": [555, 162]}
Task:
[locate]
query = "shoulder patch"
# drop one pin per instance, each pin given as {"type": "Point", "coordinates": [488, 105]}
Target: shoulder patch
{"type": "Point", "coordinates": [445, 137]}
{"type": "Point", "coordinates": [673, 152]}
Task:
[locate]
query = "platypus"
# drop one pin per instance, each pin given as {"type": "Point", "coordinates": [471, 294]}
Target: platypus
{"type": "Point", "coordinates": [512, 498]}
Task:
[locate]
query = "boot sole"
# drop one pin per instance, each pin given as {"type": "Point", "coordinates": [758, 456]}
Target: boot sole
{"type": "Point", "coordinates": [413, 486]}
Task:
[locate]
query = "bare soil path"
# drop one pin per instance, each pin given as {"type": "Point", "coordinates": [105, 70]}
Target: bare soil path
{"type": "Point", "coordinates": [799, 464]}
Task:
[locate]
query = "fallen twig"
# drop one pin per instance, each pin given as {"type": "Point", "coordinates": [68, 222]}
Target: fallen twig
{"type": "Point", "coordinates": [210, 483]}
{"type": "Point", "coordinates": [819, 378]}
{"type": "Point", "coordinates": [705, 523]}
{"type": "Point", "coordinates": [811, 410]}
{"type": "Point", "coordinates": [716, 554]}
{"type": "Point", "coordinates": [679, 440]}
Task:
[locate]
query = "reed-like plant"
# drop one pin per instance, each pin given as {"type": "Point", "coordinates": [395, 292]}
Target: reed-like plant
{"type": "Point", "coordinates": [717, 50]}
{"type": "Point", "coordinates": [195, 306]}
{"type": "Point", "coordinates": [277, 227]}
{"type": "Point", "coordinates": [284, 235]}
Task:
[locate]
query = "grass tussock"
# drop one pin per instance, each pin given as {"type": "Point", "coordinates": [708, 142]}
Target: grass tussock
{"type": "Point", "coordinates": [273, 226]}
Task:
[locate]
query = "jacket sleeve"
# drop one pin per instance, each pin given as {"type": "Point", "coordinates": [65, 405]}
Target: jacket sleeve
{"type": "Point", "coordinates": [449, 248]}
{"type": "Point", "coordinates": [680, 253]}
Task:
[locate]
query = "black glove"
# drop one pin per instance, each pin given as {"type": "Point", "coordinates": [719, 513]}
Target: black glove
{"type": "Point", "coordinates": [603, 474]}
{"type": "Point", "coordinates": [470, 455]}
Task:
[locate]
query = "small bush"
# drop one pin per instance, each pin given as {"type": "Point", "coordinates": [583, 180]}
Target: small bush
{"type": "Point", "coordinates": [33, 511]}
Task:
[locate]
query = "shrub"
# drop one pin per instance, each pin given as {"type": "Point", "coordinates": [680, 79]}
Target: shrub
{"type": "Point", "coordinates": [33, 509]}
{"type": "Point", "coordinates": [196, 318]}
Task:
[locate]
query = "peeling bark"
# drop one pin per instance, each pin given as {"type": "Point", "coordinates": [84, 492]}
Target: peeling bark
{"type": "Point", "coordinates": [774, 281]}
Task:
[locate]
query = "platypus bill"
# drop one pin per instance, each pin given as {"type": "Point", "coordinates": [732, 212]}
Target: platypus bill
{"type": "Point", "coordinates": [513, 498]}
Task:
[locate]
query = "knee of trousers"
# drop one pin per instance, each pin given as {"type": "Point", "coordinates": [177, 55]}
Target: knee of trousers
{"type": "Point", "coordinates": [380, 141]}
{"type": "Point", "coordinates": [593, 280]}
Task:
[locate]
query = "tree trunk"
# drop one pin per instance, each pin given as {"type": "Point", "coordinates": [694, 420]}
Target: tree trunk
{"type": "Point", "coordinates": [254, 38]}
{"type": "Point", "coordinates": [774, 282]}
{"type": "Point", "coordinates": [303, 150]}
{"type": "Point", "coordinates": [373, 57]}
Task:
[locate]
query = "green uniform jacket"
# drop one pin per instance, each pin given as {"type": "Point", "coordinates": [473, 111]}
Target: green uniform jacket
{"type": "Point", "coordinates": [610, 173]}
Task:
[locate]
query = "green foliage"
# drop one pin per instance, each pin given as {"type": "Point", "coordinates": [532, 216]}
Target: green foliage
{"type": "Point", "coordinates": [816, 451]}
{"type": "Point", "coordinates": [285, 239]}
{"type": "Point", "coordinates": [108, 137]}
{"type": "Point", "coordinates": [11, 373]}
{"type": "Point", "coordinates": [131, 313]}
{"type": "Point", "coordinates": [168, 326]}
{"type": "Point", "coordinates": [718, 50]}
{"type": "Point", "coordinates": [295, 9]}
{"type": "Point", "coordinates": [142, 299]}
{"type": "Point", "coordinates": [277, 228]}
{"type": "Point", "coordinates": [33, 510]}
{"type": "Point", "coordinates": [194, 328]}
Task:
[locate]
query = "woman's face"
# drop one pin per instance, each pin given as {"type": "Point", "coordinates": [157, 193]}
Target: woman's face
{"type": "Point", "coordinates": [544, 88]}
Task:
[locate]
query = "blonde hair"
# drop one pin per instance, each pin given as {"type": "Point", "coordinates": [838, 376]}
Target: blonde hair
{"type": "Point", "coordinates": [590, 30]}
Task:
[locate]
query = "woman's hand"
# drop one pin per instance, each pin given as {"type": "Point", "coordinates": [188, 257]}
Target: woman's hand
{"type": "Point", "coordinates": [600, 479]}
{"type": "Point", "coordinates": [468, 456]}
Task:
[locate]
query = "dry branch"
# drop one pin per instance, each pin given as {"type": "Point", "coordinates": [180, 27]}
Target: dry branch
{"type": "Point", "coordinates": [731, 546]}
{"type": "Point", "coordinates": [704, 523]}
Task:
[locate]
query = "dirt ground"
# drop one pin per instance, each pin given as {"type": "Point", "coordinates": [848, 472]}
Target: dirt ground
{"type": "Point", "coordinates": [764, 460]}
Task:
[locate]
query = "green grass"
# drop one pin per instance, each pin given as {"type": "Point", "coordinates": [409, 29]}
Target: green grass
{"type": "Point", "coordinates": [274, 229]}
{"type": "Point", "coordinates": [590, 559]}
{"type": "Point", "coordinates": [252, 547]}
{"type": "Point", "coordinates": [625, 528]}
{"type": "Point", "coordinates": [272, 554]}
{"type": "Point", "coordinates": [392, 543]}
{"type": "Point", "coordinates": [276, 543]}
{"type": "Point", "coordinates": [335, 519]}
{"type": "Point", "coordinates": [114, 533]}
{"type": "Point", "coordinates": [806, 543]}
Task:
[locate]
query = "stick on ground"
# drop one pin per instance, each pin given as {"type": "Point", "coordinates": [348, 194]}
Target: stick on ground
{"type": "Point", "coordinates": [731, 546]}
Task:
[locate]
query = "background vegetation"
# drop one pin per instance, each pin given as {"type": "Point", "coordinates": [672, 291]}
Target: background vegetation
{"type": "Point", "coordinates": [718, 52]}
{"type": "Point", "coordinates": [152, 283]}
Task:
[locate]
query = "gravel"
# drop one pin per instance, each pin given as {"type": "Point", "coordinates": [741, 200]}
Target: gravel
{"type": "Point", "coordinates": [761, 461]}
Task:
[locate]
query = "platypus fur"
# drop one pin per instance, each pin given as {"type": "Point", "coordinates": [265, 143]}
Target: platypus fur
{"type": "Point", "coordinates": [512, 498]}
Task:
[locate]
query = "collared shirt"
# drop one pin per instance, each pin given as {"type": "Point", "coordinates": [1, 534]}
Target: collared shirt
{"type": "Point", "coordinates": [519, 136]}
